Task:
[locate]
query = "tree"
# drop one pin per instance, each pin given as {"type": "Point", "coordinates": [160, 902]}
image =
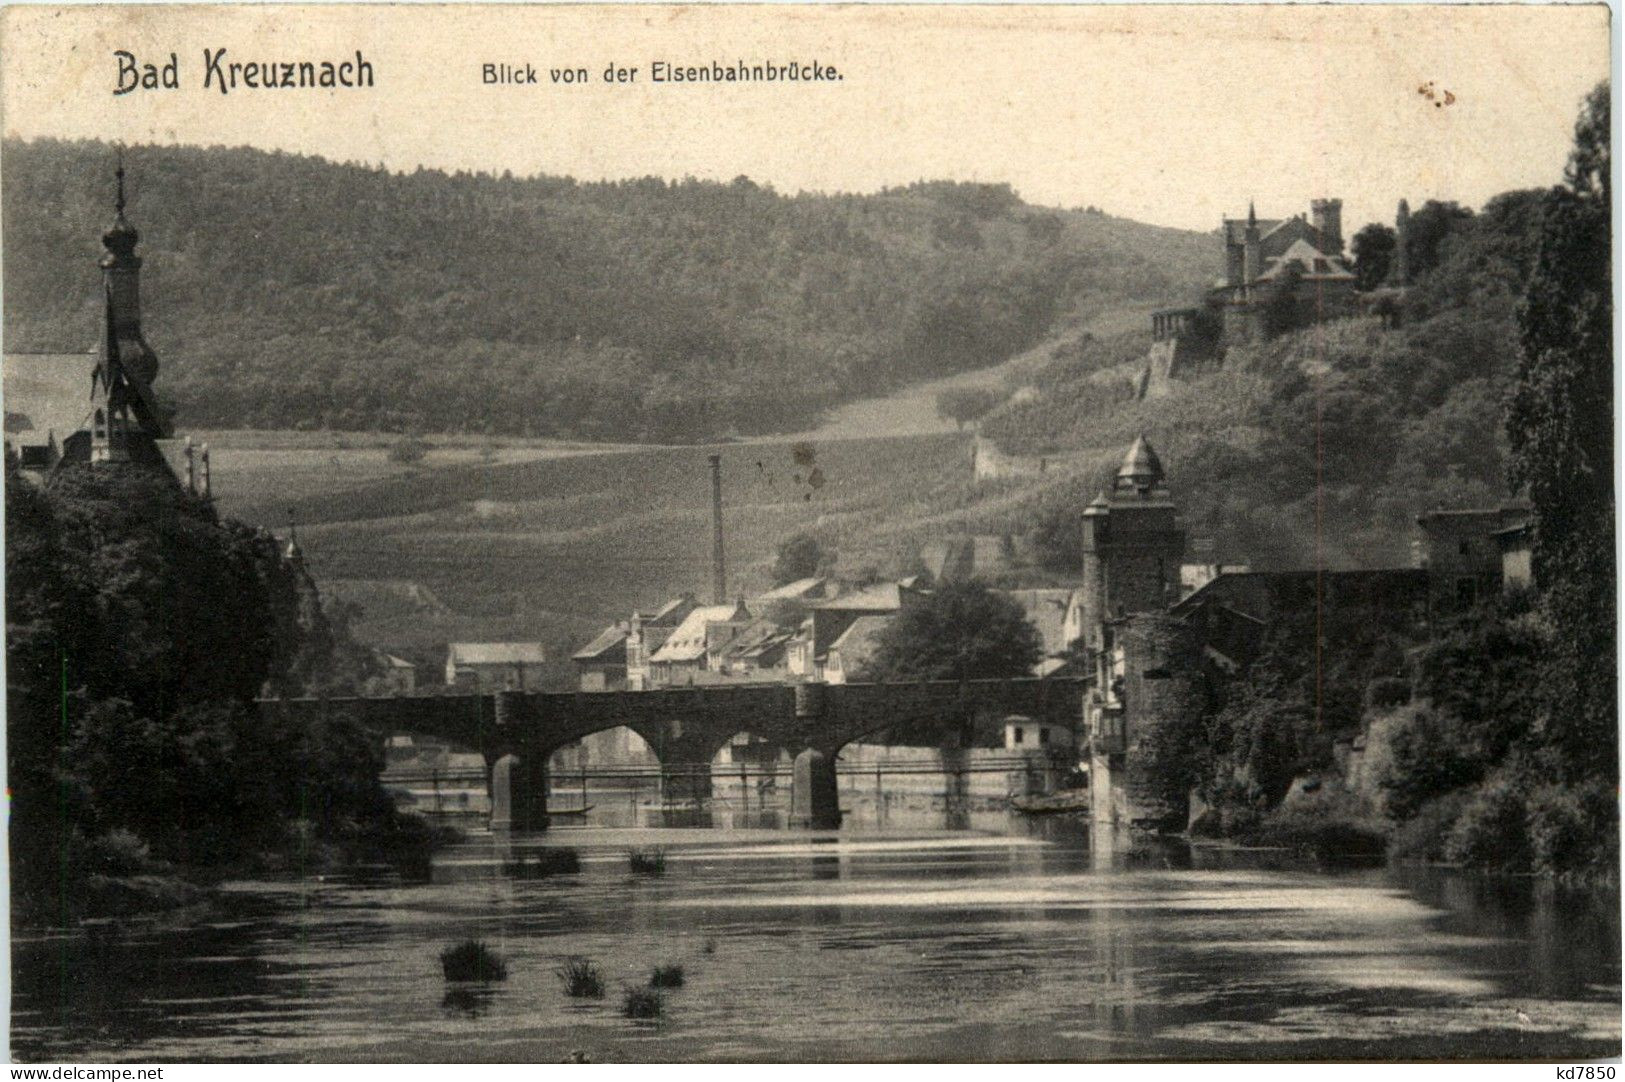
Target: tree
{"type": "Point", "coordinates": [961, 631]}
{"type": "Point", "coordinates": [962, 405]}
{"type": "Point", "coordinates": [800, 557]}
{"type": "Point", "coordinates": [1429, 228]}
{"type": "Point", "coordinates": [1560, 431]}
{"type": "Point", "coordinates": [1373, 254]}
{"type": "Point", "coordinates": [140, 628]}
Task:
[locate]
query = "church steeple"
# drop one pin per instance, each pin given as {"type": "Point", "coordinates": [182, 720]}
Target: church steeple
{"type": "Point", "coordinates": [122, 402]}
{"type": "Point", "coordinates": [1250, 262]}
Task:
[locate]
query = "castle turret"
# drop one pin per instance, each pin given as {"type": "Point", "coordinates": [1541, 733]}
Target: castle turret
{"type": "Point", "coordinates": [1326, 215]}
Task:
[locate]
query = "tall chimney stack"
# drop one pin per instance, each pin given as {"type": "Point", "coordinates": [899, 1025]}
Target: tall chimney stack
{"type": "Point", "coordinates": [719, 587]}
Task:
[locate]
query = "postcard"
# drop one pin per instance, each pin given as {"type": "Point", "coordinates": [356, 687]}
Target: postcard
{"type": "Point", "coordinates": [810, 533]}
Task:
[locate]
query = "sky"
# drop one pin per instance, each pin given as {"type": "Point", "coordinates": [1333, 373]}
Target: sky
{"type": "Point", "coordinates": [1165, 114]}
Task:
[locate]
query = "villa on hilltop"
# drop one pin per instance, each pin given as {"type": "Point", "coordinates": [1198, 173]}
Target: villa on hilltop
{"type": "Point", "coordinates": [1279, 273]}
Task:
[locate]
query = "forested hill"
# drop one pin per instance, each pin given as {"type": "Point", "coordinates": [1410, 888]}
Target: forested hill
{"type": "Point", "coordinates": [292, 292]}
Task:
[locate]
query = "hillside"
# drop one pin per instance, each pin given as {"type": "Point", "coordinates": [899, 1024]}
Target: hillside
{"type": "Point", "coordinates": [550, 547]}
{"type": "Point", "coordinates": [1321, 446]}
{"type": "Point", "coordinates": [1318, 448]}
{"type": "Point", "coordinates": [288, 292]}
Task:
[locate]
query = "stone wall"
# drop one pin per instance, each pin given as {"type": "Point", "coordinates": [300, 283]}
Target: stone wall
{"type": "Point", "coordinates": [1163, 690]}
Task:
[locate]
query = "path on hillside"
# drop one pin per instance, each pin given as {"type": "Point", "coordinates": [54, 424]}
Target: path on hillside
{"type": "Point", "coordinates": [912, 410]}
{"type": "Point", "coordinates": [908, 411]}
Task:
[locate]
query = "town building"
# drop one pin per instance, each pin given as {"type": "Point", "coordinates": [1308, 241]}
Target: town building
{"type": "Point", "coordinates": [827, 621]}
{"type": "Point", "coordinates": [1517, 556]}
{"type": "Point", "coordinates": [1026, 734]}
{"type": "Point", "coordinates": [1463, 552]}
{"type": "Point", "coordinates": [692, 652]}
{"type": "Point", "coordinates": [601, 664]}
{"type": "Point", "coordinates": [399, 676]}
{"type": "Point", "coordinates": [848, 657]}
{"type": "Point", "coordinates": [645, 634]}
{"type": "Point", "coordinates": [495, 666]}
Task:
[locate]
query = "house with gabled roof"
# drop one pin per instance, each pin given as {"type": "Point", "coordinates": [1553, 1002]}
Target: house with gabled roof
{"type": "Point", "coordinates": [849, 655]}
{"type": "Point", "coordinates": [693, 645]}
{"type": "Point", "coordinates": [495, 666]}
{"type": "Point", "coordinates": [601, 664]}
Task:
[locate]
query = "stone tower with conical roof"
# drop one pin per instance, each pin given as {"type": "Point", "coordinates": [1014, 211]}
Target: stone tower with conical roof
{"type": "Point", "coordinates": [1146, 662]}
{"type": "Point", "coordinates": [1132, 545]}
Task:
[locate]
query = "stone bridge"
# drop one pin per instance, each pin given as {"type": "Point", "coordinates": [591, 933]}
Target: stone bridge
{"type": "Point", "coordinates": [516, 732]}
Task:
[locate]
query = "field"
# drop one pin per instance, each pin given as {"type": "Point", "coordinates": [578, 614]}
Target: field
{"type": "Point", "coordinates": [550, 544]}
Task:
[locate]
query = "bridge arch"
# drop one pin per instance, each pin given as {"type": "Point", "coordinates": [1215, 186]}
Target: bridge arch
{"type": "Point", "coordinates": [683, 726]}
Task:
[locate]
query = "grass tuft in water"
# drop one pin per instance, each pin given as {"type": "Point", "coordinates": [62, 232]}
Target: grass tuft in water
{"type": "Point", "coordinates": [472, 960]}
{"type": "Point", "coordinates": [647, 861]}
{"type": "Point", "coordinates": [667, 976]}
{"type": "Point", "coordinates": [582, 979]}
{"type": "Point", "coordinates": [710, 946]}
{"type": "Point", "coordinates": [544, 863]}
{"type": "Point", "coordinates": [642, 1003]}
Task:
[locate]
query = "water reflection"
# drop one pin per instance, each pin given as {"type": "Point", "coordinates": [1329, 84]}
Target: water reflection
{"type": "Point", "coordinates": [902, 938]}
{"type": "Point", "coordinates": [467, 1001]}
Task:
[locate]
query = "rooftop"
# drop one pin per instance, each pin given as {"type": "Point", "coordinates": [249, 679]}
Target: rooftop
{"type": "Point", "coordinates": [45, 394]}
{"type": "Point", "coordinates": [496, 653]}
{"type": "Point", "coordinates": [689, 641]}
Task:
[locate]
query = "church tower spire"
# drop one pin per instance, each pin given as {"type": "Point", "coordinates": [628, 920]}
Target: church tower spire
{"type": "Point", "coordinates": [122, 402]}
{"type": "Point", "coordinates": [1250, 262]}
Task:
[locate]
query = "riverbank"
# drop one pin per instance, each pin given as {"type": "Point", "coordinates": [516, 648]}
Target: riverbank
{"type": "Point", "coordinates": [116, 878]}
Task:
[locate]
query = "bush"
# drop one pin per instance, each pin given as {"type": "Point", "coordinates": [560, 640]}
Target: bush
{"type": "Point", "coordinates": [643, 1003]}
{"type": "Point", "coordinates": [582, 979]}
{"type": "Point", "coordinates": [118, 852]}
{"type": "Point", "coordinates": [1429, 754]}
{"type": "Point", "coordinates": [1492, 830]}
{"type": "Point", "coordinates": [647, 861]}
{"type": "Point", "coordinates": [408, 450]}
{"type": "Point", "coordinates": [472, 960]}
{"type": "Point", "coordinates": [667, 976]}
{"type": "Point", "coordinates": [1574, 831]}
{"type": "Point", "coordinates": [1328, 825]}
{"type": "Point", "coordinates": [1422, 837]}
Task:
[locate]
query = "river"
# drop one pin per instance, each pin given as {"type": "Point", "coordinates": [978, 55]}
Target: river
{"type": "Point", "coordinates": [893, 938]}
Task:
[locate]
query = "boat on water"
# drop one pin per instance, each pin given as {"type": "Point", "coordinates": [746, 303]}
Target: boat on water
{"type": "Point", "coordinates": [1057, 803]}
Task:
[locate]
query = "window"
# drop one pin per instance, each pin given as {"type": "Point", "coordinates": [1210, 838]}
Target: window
{"type": "Point", "coordinates": [1019, 734]}
{"type": "Point", "coordinates": [1043, 736]}
{"type": "Point", "coordinates": [1156, 674]}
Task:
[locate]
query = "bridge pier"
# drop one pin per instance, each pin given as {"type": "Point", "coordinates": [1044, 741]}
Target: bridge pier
{"type": "Point", "coordinates": [815, 796]}
{"type": "Point", "coordinates": [689, 781]}
{"type": "Point", "coordinates": [519, 793]}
